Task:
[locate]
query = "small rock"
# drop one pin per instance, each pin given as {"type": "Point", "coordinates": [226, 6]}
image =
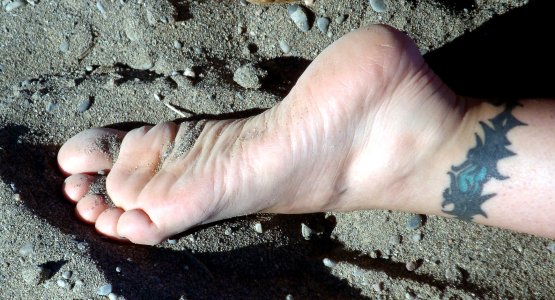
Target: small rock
{"type": "Point", "coordinates": [189, 73]}
{"type": "Point", "coordinates": [395, 240]}
{"type": "Point", "coordinates": [249, 76]}
{"type": "Point", "coordinates": [306, 231]}
{"type": "Point", "coordinates": [378, 6]}
{"type": "Point", "coordinates": [118, 269]}
{"type": "Point", "coordinates": [329, 263]}
{"type": "Point", "coordinates": [374, 254]}
{"type": "Point", "coordinates": [15, 5]}
{"type": "Point", "coordinates": [177, 44]}
{"type": "Point", "coordinates": [414, 222]}
{"type": "Point", "coordinates": [112, 296]}
{"type": "Point", "coordinates": [258, 227]}
{"type": "Point", "coordinates": [358, 272]}
{"type": "Point", "coordinates": [417, 237]}
{"type": "Point", "coordinates": [340, 19]}
{"type": "Point", "coordinates": [378, 287]}
{"type": "Point", "coordinates": [551, 247]}
{"type": "Point", "coordinates": [1, 68]}
{"type": "Point", "coordinates": [64, 46]}
{"type": "Point", "coordinates": [104, 290]}
{"type": "Point", "coordinates": [453, 273]}
{"type": "Point", "coordinates": [172, 241]}
{"type": "Point", "coordinates": [63, 283]}
{"type": "Point", "coordinates": [323, 24]}
{"type": "Point", "coordinates": [198, 50]}
{"type": "Point", "coordinates": [289, 297]}
{"type": "Point", "coordinates": [26, 249]}
{"type": "Point", "coordinates": [101, 8]}
{"type": "Point", "coordinates": [410, 296]}
{"type": "Point", "coordinates": [284, 46]}
{"type": "Point", "coordinates": [84, 105]}
{"type": "Point", "coordinates": [411, 266]}
{"type": "Point", "coordinates": [67, 274]}
{"type": "Point", "coordinates": [35, 275]}
{"type": "Point", "coordinates": [228, 231]}
{"type": "Point", "coordinates": [297, 13]}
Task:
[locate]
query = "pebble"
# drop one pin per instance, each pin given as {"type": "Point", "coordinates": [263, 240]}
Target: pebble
{"type": "Point", "coordinates": [26, 249]}
{"type": "Point", "coordinates": [84, 105]}
{"type": "Point", "coordinates": [101, 8]}
{"type": "Point", "coordinates": [189, 73]}
{"type": "Point", "coordinates": [358, 272]}
{"type": "Point", "coordinates": [63, 283]}
{"type": "Point", "coordinates": [177, 44]}
{"type": "Point", "coordinates": [306, 231]}
{"type": "Point", "coordinates": [285, 47]}
{"type": "Point", "coordinates": [453, 274]}
{"type": "Point", "coordinates": [410, 296]}
{"type": "Point", "coordinates": [112, 296]}
{"type": "Point", "coordinates": [258, 227]}
{"type": "Point", "coordinates": [323, 24]}
{"type": "Point", "coordinates": [329, 263]}
{"type": "Point", "coordinates": [118, 269]}
{"type": "Point", "coordinates": [249, 76]}
{"type": "Point", "coordinates": [289, 297]}
{"type": "Point", "coordinates": [551, 247]}
{"type": "Point", "coordinates": [15, 5]}
{"type": "Point", "coordinates": [67, 274]}
{"type": "Point", "coordinates": [1, 68]}
{"type": "Point", "coordinates": [228, 231]}
{"type": "Point", "coordinates": [35, 275]}
{"type": "Point", "coordinates": [411, 266]}
{"type": "Point", "coordinates": [172, 241]}
{"type": "Point", "coordinates": [395, 240]}
{"type": "Point", "coordinates": [64, 46]}
{"type": "Point", "coordinates": [417, 237]}
{"type": "Point", "coordinates": [104, 290]}
{"type": "Point", "coordinates": [340, 19]}
{"type": "Point", "coordinates": [378, 6]}
{"type": "Point", "coordinates": [378, 287]}
{"type": "Point", "coordinates": [82, 246]}
{"type": "Point", "coordinates": [414, 222]}
{"type": "Point", "coordinates": [297, 13]}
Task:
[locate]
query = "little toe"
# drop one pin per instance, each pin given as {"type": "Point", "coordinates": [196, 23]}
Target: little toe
{"type": "Point", "coordinates": [137, 226]}
{"type": "Point", "coordinates": [90, 207]}
{"type": "Point", "coordinates": [77, 186]}
{"type": "Point", "coordinates": [107, 221]}
{"type": "Point", "coordinates": [90, 151]}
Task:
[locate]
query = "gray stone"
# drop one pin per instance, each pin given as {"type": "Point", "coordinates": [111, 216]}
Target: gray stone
{"type": "Point", "coordinates": [329, 263]}
{"type": "Point", "coordinates": [414, 222]}
{"type": "Point", "coordinates": [104, 290]}
{"type": "Point", "coordinates": [84, 105]}
{"type": "Point", "coordinates": [551, 247]}
{"type": "Point", "coordinates": [249, 76]}
{"type": "Point", "coordinates": [323, 24]}
{"type": "Point", "coordinates": [378, 6]}
{"type": "Point", "coordinates": [284, 46]}
{"type": "Point", "coordinates": [297, 13]}
{"type": "Point", "coordinates": [26, 249]}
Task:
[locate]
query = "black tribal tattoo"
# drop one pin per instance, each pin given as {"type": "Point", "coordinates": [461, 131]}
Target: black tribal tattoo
{"type": "Point", "coordinates": [464, 198]}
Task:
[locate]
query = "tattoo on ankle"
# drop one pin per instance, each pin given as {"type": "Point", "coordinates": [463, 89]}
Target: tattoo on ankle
{"type": "Point", "coordinates": [464, 198]}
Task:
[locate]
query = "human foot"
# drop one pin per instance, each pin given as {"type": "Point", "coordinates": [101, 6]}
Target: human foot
{"type": "Point", "coordinates": [366, 110]}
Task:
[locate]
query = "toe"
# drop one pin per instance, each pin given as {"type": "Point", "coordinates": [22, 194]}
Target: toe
{"type": "Point", "coordinates": [90, 207]}
{"type": "Point", "coordinates": [107, 221]}
{"type": "Point", "coordinates": [77, 186]}
{"type": "Point", "coordinates": [90, 151]}
{"type": "Point", "coordinates": [137, 226]}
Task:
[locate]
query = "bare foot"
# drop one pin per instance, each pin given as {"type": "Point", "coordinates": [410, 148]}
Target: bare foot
{"type": "Point", "coordinates": [358, 120]}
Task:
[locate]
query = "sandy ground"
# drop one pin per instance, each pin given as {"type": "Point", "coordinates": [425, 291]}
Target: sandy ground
{"type": "Point", "coordinates": [57, 55]}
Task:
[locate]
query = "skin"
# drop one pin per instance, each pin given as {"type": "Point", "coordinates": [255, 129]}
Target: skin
{"type": "Point", "coordinates": [367, 126]}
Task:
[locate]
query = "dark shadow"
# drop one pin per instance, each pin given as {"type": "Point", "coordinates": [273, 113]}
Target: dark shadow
{"type": "Point", "coordinates": [511, 56]}
{"type": "Point", "coordinates": [283, 73]}
{"type": "Point", "coordinates": [454, 5]}
{"type": "Point", "coordinates": [182, 10]}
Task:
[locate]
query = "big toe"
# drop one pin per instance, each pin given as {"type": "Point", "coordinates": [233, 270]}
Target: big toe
{"type": "Point", "coordinates": [90, 151]}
